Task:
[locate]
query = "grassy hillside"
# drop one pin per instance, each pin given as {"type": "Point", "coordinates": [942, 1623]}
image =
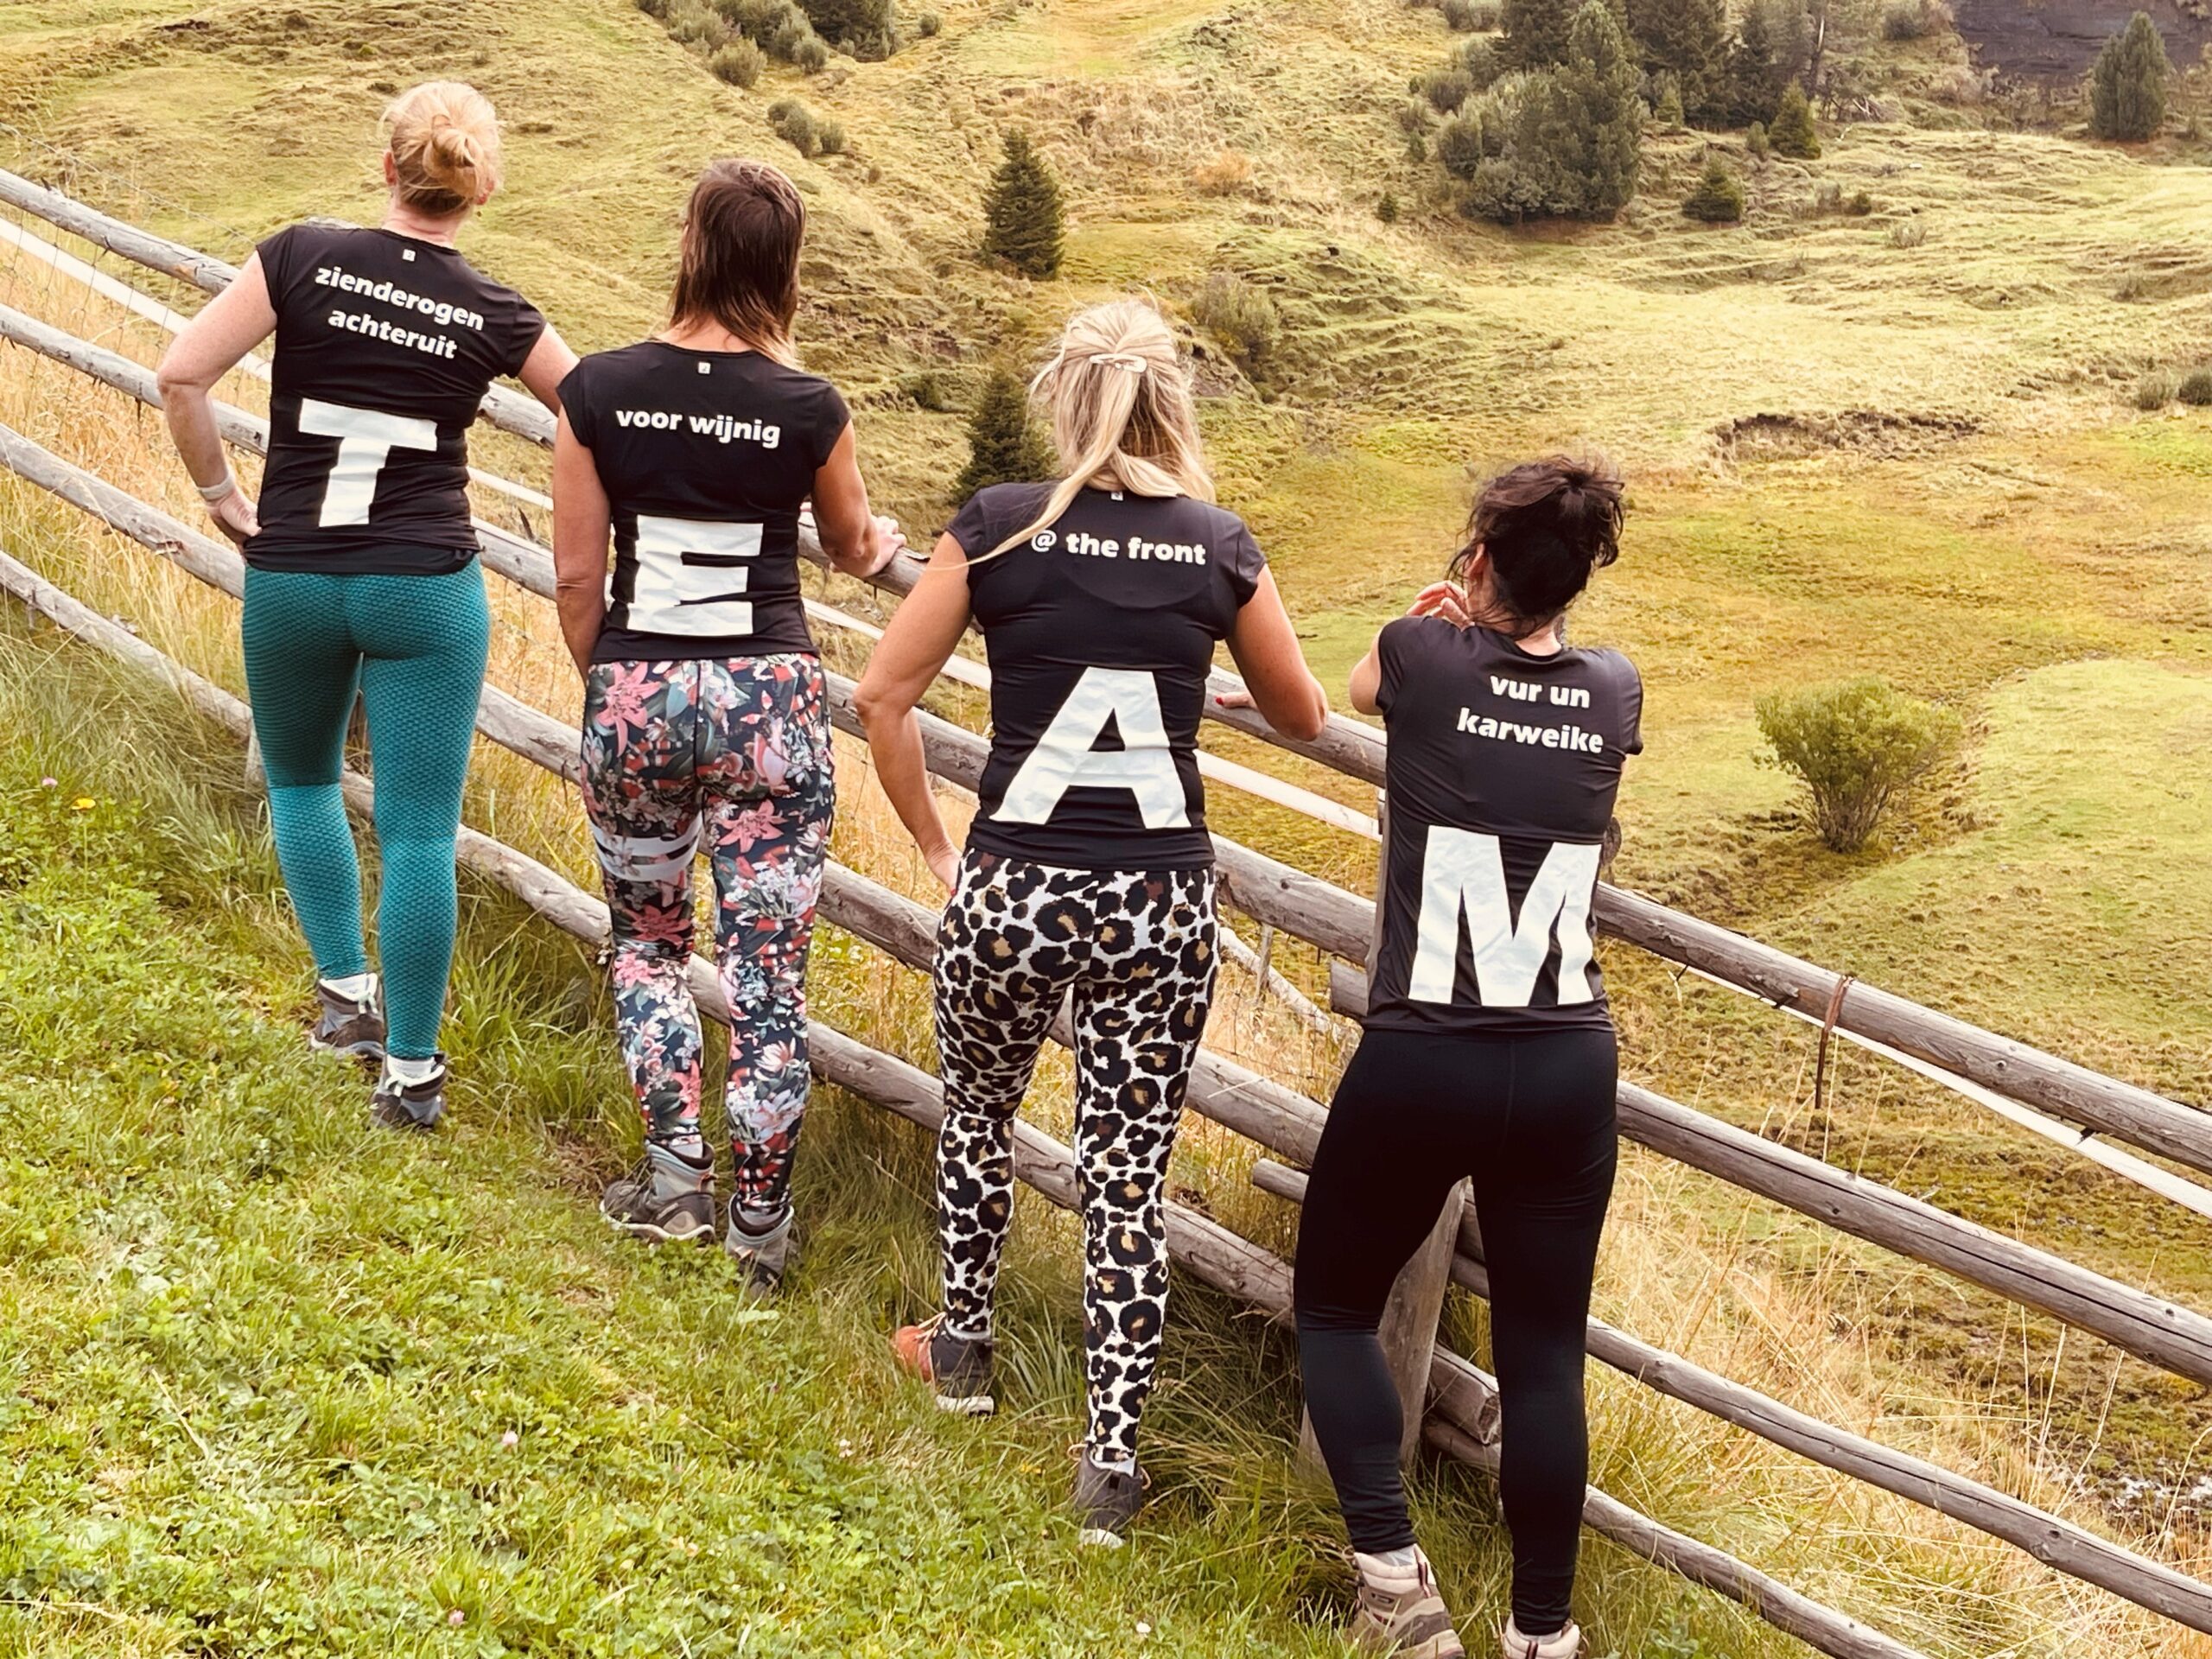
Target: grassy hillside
{"type": "Point", "coordinates": [1900, 443]}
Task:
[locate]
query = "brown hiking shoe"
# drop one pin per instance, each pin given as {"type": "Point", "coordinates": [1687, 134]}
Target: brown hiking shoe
{"type": "Point", "coordinates": [1564, 1644]}
{"type": "Point", "coordinates": [960, 1368]}
{"type": "Point", "coordinates": [345, 1026]}
{"type": "Point", "coordinates": [1412, 1622]}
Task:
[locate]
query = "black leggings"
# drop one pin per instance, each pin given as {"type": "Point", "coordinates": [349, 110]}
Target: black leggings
{"type": "Point", "coordinates": [1531, 1120]}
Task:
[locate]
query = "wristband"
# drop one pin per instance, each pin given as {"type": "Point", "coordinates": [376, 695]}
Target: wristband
{"type": "Point", "coordinates": [211, 493]}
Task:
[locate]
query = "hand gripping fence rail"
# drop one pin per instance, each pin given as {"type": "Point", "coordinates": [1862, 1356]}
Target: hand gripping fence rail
{"type": "Point", "coordinates": [1462, 1402]}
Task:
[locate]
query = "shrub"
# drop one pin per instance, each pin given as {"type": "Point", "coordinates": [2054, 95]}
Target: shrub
{"type": "Point", "coordinates": [1557, 144]}
{"type": "Point", "coordinates": [1754, 141]}
{"type": "Point", "coordinates": [1004, 446]}
{"type": "Point", "coordinates": [1447, 89]}
{"type": "Point", "coordinates": [1459, 143]}
{"type": "Point", "coordinates": [1414, 117]}
{"type": "Point", "coordinates": [1668, 112]}
{"type": "Point", "coordinates": [740, 63]}
{"type": "Point", "coordinates": [1685, 41]}
{"type": "Point", "coordinates": [2128, 87]}
{"type": "Point", "coordinates": [1908, 233]}
{"type": "Point", "coordinates": [1483, 62]}
{"type": "Point", "coordinates": [927, 389]}
{"type": "Point", "coordinates": [2195, 388]}
{"type": "Point", "coordinates": [1718, 198]}
{"type": "Point", "coordinates": [1856, 745]}
{"type": "Point", "coordinates": [1241, 317]}
{"type": "Point", "coordinates": [811, 54]}
{"type": "Point", "coordinates": [829, 136]}
{"type": "Point", "coordinates": [1386, 208]}
{"type": "Point", "coordinates": [867, 28]}
{"type": "Point", "coordinates": [1913, 20]}
{"type": "Point", "coordinates": [1416, 147]}
{"type": "Point", "coordinates": [1792, 133]}
{"type": "Point", "coordinates": [1226, 174]}
{"type": "Point", "coordinates": [1859, 205]}
{"type": "Point", "coordinates": [793, 122]}
{"type": "Point", "coordinates": [1024, 224]}
{"type": "Point", "coordinates": [1470, 16]}
{"type": "Point", "coordinates": [694, 25]}
{"type": "Point", "coordinates": [929, 23]}
{"type": "Point", "coordinates": [2155, 389]}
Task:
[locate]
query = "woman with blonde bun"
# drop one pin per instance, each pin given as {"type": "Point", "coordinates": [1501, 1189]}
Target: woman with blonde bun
{"type": "Point", "coordinates": [361, 557]}
{"type": "Point", "coordinates": [1102, 596]}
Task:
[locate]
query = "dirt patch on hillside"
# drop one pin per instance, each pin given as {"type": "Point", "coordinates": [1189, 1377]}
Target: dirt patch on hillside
{"type": "Point", "coordinates": [2055, 41]}
{"type": "Point", "coordinates": [1860, 431]}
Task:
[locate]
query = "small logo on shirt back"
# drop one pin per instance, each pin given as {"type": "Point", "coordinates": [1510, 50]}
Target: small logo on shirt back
{"type": "Point", "coordinates": [1044, 540]}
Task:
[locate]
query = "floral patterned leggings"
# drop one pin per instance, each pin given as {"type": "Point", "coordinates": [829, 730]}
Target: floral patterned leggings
{"type": "Point", "coordinates": [731, 756]}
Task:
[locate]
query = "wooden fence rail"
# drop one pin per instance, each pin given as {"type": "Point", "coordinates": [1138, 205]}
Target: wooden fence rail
{"type": "Point", "coordinates": [1289, 1124]}
{"type": "Point", "coordinates": [1208, 1251]}
{"type": "Point", "coordinates": [2140, 1116]}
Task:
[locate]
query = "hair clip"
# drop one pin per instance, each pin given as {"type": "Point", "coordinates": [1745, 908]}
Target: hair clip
{"type": "Point", "coordinates": [1128, 361]}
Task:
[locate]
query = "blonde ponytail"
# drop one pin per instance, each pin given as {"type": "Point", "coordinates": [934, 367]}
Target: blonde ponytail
{"type": "Point", "coordinates": [1119, 401]}
{"type": "Point", "coordinates": [444, 141]}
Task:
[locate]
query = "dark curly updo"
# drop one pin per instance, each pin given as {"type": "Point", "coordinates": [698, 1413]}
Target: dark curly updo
{"type": "Point", "coordinates": [1546, 524]}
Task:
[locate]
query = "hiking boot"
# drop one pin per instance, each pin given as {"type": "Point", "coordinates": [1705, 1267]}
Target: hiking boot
{"type": "Point", "coordinates": [959, 1366]}
{"type": "Point", "coordinates": [668, 1199]}
{"type": "Point", "coordinates": [1402, 1615]}
{"type": "Point", "coordinates": [764, 1256]}
{"type": "Point", "coordinates": [1106, 1500]}
{"type": "Point", "coordinates": [348, 1027]}
{"type": "Point", "coordinates": [1566, 1644]}
{"type": "Point", "coordinates": [418, 1106]}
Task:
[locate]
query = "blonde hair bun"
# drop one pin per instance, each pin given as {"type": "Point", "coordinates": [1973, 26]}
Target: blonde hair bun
{"type": "Point", "coordinates": [444, 139]}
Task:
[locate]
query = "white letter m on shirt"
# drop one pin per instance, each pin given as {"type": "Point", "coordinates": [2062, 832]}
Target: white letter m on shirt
{"type": "Point", "coordinates": [1464, 874]}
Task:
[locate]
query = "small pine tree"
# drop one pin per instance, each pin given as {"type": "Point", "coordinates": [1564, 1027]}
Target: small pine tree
{"type": "Point", "coordinates": [2128, 88]}
{"type": "Point", "coordinates": [1024, 224]}
{"type": "Point", "coordinates": [1793, 133]}
{"type": "Point", "coordinates": [1754, 141]}
{"type": "Point", "coordinates": [1667, 112]}
{"type": "Point", "coordinates": [1386, 208]}
{"type": "Point", "coordinates": [1535, 33]}
{"type": "Point", "coordinates": [1718, 198]}
{"type": "Point", "coordinates": [1004, 446]}
{"type": "Point", "coordinates": [1603, 117]}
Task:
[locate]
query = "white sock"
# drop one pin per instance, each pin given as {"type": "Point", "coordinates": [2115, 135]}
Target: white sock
{"type": "Point", "coordinates": [962, 1333]}
{"type": "Point", "coordinates": [1116, 1464]}
{"type": "Point", "coordinates": [412, 1071]}
{"type": "Point", "coordinates": [1395, 1571]}
{"type": "Point", "coordinates": [354, 987]}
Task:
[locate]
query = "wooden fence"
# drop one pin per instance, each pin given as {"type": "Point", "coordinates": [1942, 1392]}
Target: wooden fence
{"type": "Point", "coordinates": [1461, 1407]}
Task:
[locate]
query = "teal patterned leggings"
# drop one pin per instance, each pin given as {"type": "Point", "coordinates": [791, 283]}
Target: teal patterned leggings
{"type": "Point", "coordinates": [414, 648]}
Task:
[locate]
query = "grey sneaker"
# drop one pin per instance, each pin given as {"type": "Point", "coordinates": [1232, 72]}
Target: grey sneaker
{"type": "Point", "coordinates": [960, 1367]}
{"type": "Point", "coordinates": [668, 1199]}
{"type": "Point", "coordinates": [762, 1256]}
{"type": "Point", "coordinates": [1106, 1501]}
{"type": "Point", "coordinates": [417, 1106]}
{"type": "Point", "coordinates": [1407, 1623]}
{"type": "Point", "coordinates": [1566, 1644]}
{"type": "Point", "coordinates": [345, 1026]}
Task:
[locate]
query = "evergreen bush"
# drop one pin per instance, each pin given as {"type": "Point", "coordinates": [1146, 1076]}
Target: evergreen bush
{"type": "Point", "coordinates": [1856, 745]}
{"type": "Point", "coordinates": [2128, 87]}
{"type": "Point", "coordinates": [1004, 446]}
{"type": "Point", "coordinates": [1718, 198]}
{"type": "Point", "coordinates": [739, 63]}
{"type": "Point", "coordinates": [1241, 317]}
{"type": "Point", "coordinates": [1024, 223]}
{"type": "Point", "coordinates": [2195, 388]}
{"type": "Point", "coordinates": [1792, 132]}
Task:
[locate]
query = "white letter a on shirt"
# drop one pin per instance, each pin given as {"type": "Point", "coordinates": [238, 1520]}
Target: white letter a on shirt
{"type": "Point", "coordinates": [1064, 757]}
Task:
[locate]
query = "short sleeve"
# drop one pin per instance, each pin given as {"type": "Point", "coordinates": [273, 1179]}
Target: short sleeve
{"type": "Point", "coordinates": [523, 332]}
{"type": "Point", "coordinates": [831, 417]}
{"type": "Point", "coordinates": [971, 527]}
{"type": "Point", "coordinates": [578, 403]}
{"type": "Point", "coordinates": [1631, 716]}
{"type": "Point", "coordinates": [279, 261]}
{"type": "Point", "coordinates": [1244, 562]}
{"type": "Point", "coordinates": [1399, 652]}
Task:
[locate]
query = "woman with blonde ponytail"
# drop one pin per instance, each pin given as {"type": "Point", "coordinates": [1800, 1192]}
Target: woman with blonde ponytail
{"type": "Point", "coordinates": [1088, 873]}
{"type": "Point", "coordinates": [361, 557]}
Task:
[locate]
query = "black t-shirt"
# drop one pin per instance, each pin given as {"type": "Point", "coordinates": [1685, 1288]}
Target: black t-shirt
{"type": "Point", "coordinates": [1100, 630]}
{"type": "Point", "coordinates": [706, 458]}
{"type": "Point", "coordinates": [1500, 781]}
{"type": "Point", "coordinates": [385, 346]}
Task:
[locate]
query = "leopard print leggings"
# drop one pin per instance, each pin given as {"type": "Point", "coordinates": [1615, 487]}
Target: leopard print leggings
{"type": "Point", "coordinates": [1137, 950]}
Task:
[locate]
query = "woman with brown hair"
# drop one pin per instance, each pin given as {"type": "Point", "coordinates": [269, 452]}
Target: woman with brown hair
{"type": "Point", "coordinates": [705, 726]}
{"type": "Point", "coordinates": [361, 576]}
{"type": "Point", "coordinates": [1488, 1048]}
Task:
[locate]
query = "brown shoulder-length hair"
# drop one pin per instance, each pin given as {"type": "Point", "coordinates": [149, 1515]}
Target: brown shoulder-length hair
{"type": "Point", "coordinates": [740, 260]}
{"type": "Point", "coordinates": [1548, 525]}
